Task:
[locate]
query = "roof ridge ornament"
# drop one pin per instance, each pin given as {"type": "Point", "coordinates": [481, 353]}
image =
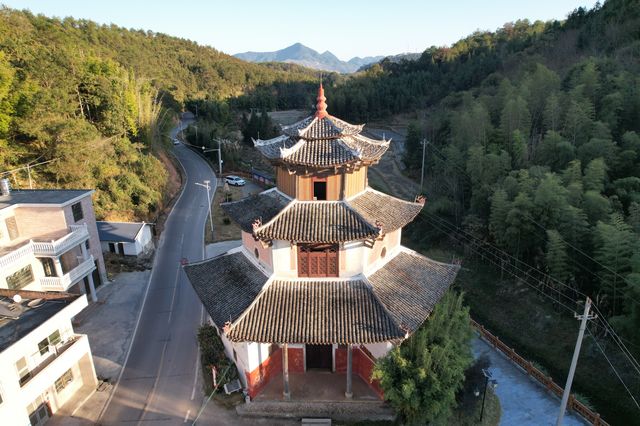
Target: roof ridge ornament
{"type": "Point", "coordinates": [321, 105]}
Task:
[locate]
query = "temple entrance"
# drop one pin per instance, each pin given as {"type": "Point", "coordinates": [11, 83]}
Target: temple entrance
{"type": "Point", "coordinates": [318, 260]}
{"type": "Point", "coordinates": [319, 357]}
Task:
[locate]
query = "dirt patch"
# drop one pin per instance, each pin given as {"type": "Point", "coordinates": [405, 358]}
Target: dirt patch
{"type": "Point", "coordinates": [116, 264]}
{"type": "Point", "coordinates": [224, 229]}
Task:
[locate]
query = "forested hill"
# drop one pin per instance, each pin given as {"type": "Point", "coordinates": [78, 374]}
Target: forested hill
{"type": "Point", "coordinates": [96, 97]}
{"type": "Point", "coordinates": [534, 148]}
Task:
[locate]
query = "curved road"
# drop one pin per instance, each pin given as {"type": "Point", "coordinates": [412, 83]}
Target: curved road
{"type": "Point", "coordinates": [160, 383]}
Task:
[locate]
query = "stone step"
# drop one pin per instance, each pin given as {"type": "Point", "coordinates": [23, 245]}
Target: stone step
{"type": "Point", "coordinates": [336, 410]}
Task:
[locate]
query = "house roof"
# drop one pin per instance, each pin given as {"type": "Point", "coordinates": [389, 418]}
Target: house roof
{"type": "Point", "coordinates": [17, 321]}
{"type": "Point", "coordinates": [322, 141]}
{"type": "Point", "coordinates": [316, 312]}
{"type": "Point", "coordinates": [263, 206]}
{"type": "Point", "coordinates": [385, 306]}
{"type": "Point", "coordinates": [358, 218]}
{"type": "Point", "coordinates": [390, 212]}
{"type": "Point", "coordinates": [226, 285]}
{"type": "Point", "coordinates": [317, 221]}
{"type": "Point", "coordinates": [410, 285]}
{"type": "Point", "coordinates": [119, 232]}
{"type": "Point", "coordinates": [41, 196]}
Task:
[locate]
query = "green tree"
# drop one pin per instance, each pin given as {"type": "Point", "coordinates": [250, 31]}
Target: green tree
{"type": "Point", "coordinates": [413, 147]}
{"type": "Point", "coordinates": [595, 175]}
{"type": "Point", "coordinates": [614, 244]}
{"type": "Point", "coordinates": [556, 256]}
{"type": "Point", "coordinates": [421, 376]}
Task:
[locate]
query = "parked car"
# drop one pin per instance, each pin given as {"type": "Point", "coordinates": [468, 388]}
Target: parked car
{"type": "Point", "coordinates": [235, 180]}
{"type": "Point", "coordinates": [176, 142]}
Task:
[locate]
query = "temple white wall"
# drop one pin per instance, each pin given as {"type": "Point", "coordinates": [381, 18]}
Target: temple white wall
{"type": "Point", "coordinates": [284, 259]}
{"type": "Point", "coordinates": [352, 257]}
{"type": "Point", "coordinates": [382, 251]}
{"type": "Point", "coordinates": [379, 349]}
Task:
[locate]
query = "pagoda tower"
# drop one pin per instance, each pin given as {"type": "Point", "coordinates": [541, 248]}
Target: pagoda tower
{"type": "Point", "coordinates": [321, 280]}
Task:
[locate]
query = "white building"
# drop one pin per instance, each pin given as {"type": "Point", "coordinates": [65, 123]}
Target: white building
{"type": "Point", "coordinates": [125, 238]}
{"type": "Point", "coordinates": [43, 363]}
{"type": "Point", "coordinates": [49, 242]}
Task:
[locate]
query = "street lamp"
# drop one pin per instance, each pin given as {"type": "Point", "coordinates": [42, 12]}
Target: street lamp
{"type": "Point", "coordinates": [206, 185]}
{"type": "Point", "coordinates": [494, 384]}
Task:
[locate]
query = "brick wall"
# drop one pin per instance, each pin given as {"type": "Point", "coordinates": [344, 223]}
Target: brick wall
{"type": "Point", "coordinates": [259, 377]}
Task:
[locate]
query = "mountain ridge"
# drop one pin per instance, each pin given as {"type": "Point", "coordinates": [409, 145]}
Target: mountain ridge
{"type": "Point", "coordinates": [300, 54]}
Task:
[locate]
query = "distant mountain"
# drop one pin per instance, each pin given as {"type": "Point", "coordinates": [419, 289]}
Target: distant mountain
{"type": "Point", "coordinates": [393, 58]}
{"type": "Point", "coordinates": [307, 57]}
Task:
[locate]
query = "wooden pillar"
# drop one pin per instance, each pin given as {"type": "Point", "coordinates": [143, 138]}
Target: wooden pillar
{"type": "Point", "coordinates": [285, 372]}
{"type": "Point", "coordinates": [349, 392]}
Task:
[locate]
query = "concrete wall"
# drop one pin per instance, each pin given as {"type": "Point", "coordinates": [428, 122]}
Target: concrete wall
{"type": "Point", "coordinates": [89, 218]}
{"type": "Point", "coordinates": [76, 356]}
{"type": "Point", "coordinates": [265, 256]}
{"type": "Point", "coordinates": [284, 259]}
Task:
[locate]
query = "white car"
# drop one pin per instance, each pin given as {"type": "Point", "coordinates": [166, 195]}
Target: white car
{"type": "Point", "coordinates": [235, 180]}
{"type": "Point", "coordinates": [176, 142]}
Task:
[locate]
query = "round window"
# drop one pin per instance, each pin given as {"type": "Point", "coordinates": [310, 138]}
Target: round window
{"type": "Point", "coordinates": [383, 253]}
{"type": "Point", "coordinates": [256, 253]}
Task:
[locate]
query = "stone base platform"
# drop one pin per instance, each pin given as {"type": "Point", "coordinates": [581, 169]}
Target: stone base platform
{"type": "Point", "coordinates": [348, 411]}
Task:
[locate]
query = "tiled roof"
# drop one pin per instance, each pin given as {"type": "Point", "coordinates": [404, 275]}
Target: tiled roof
{"type": "Point", "coordinates": [396, 300]}
{"type": "Point", "coordinates": [328, 127]}
{"type": "Point", "coordinates": [410, 285]}
{"type": "Point", "coordinates": [393, 212]}
{"type": "Point", "coordinates": [321, 221]}
{"type": "Point", "coordinates": [316, 312]}
{"type": "Point", "coordinates": [322, 142]}
{"type": "Point", "coordinates": [226, 285]}
{"type": "Point", "coordinates": [263, 206]}
{"type": "Point", "coordinates": [317, 221]}
{"type": "Point", "coordinates": [321, 153]}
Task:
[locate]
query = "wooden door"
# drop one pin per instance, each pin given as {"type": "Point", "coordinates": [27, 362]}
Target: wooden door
{"type": "Point", "coordinates": [318, 260]}
{"type": "Point", "coordinates": [319, 357]}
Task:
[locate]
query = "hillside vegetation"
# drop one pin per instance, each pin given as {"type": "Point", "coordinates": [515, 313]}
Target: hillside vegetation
{"type": "Point", "coordinates": [96, 99]}
{"type": "Point", "coordinates": [533, 147]}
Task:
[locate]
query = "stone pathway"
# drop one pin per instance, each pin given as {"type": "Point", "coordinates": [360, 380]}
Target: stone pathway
{"type": "Point", "coordinates": [523, 401]}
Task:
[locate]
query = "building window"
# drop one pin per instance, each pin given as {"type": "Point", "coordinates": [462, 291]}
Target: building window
{"type": "Point", "coordinates": [76, 209]}
{"type": "Point", "coordinates": [48, 267]}
{"type": "Point", "coordinates": [23, 370]}
{"type": "Point", "coordinates": [20, 278]}
{"type": "Point", "coordinates": [12, 227]}
{"type": "Point", "coordinates": [319, 190]}
{"type": "Point", "coordinates": [256, 253]}
{"type": "Point", "coordinates": [52, 340]}
{"type": "Point", "coordinates": [87, 245]}
{"type": "Point", "coordinates": [64, 380]}
{"type": "Point", "coordinates": [383, 253]}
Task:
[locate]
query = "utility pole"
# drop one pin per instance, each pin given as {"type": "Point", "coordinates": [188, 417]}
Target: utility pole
{"type": "Point", "coordinates": [206, 185]}
{"type": "Point", "coordinates": [219, 149]}
{"type": "Point", "coordinates": [424, 146]}
{"type": "Point", "coordinates": [567, 387]}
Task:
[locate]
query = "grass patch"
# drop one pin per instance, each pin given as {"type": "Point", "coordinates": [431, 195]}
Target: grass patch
{"type": "Point", "coordinates": [212, 354]}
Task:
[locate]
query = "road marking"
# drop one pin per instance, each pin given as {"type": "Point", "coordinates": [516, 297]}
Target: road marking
{"type": "Point", "coordinates": [195, 375]}
{"type": "Point", "coordinates": [186, 418]}
{"type": "Point", "coordinates": [144, 300]}
{"type": "Point", "coordinates": [175, 287]}
{"type": "Point", "coordinates": [155, 383]}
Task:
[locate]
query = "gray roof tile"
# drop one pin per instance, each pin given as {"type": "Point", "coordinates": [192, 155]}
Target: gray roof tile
{"type": "Point", "coordinates": [264, 206]}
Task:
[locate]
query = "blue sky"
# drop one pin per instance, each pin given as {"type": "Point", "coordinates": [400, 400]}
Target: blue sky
{"type": "Point", "coordinates": [347, 28]}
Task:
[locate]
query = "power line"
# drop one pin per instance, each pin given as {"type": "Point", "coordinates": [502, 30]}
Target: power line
{"type": "Point", "coordinates": [616, 338]}
{"type": "Point", "coordinates": [613, 368]}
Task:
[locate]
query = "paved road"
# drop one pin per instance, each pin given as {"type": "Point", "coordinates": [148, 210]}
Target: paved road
{"type": "Point", "coordinates": [160, 380]}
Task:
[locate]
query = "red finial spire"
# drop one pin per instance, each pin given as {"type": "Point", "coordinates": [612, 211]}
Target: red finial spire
{"type": "Point", "coordinates": [321, 105]}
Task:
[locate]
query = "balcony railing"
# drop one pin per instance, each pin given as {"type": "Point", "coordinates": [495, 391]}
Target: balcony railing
{"type": "Point", "coordinates": [64, 282]}
{"type": "Point", "coordinates": [78, 234]}
{"type": "Point", "coordinates": [42, 362]}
